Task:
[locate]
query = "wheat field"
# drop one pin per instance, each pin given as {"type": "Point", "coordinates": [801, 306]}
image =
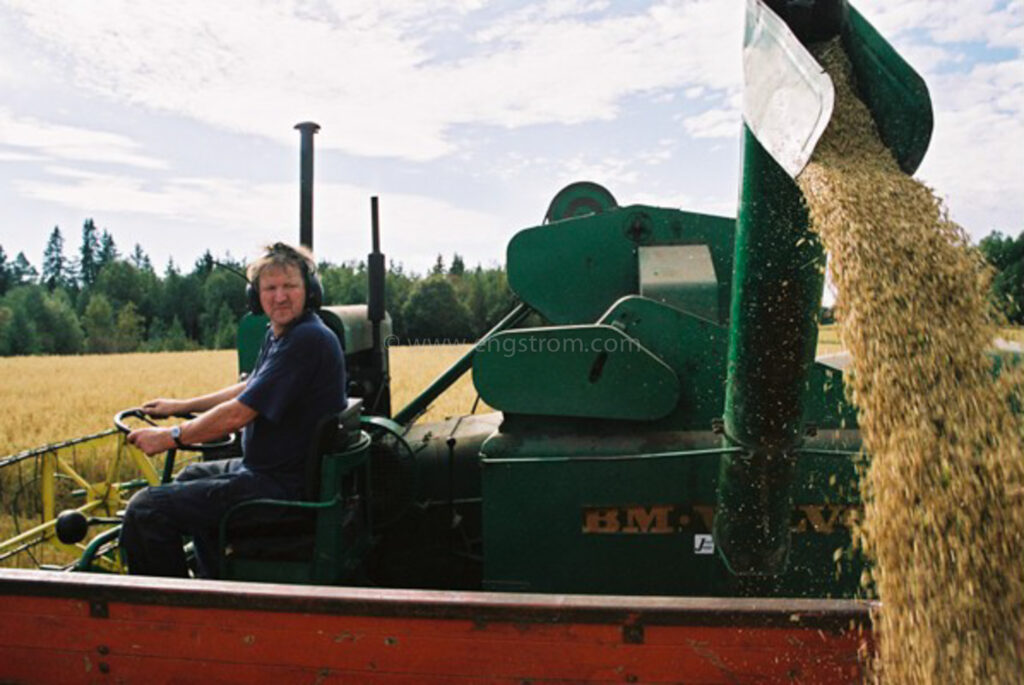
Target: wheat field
{"type": "Point", "coordinates": [48, 399]}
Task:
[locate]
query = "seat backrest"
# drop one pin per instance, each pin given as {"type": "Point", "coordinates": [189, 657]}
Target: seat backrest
{"type": "Point", "coordinates": [330, 434]}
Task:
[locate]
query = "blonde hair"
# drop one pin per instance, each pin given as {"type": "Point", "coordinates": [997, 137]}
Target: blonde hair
{"type": "Point", "coordinates": [282, 254]}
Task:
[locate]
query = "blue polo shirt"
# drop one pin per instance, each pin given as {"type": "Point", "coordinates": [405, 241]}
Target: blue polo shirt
{"type": "Point", "coordinates": [298, 379]}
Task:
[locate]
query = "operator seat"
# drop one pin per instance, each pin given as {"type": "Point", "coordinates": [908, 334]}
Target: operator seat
{"type": "Point", "coordinates": [319, 538]}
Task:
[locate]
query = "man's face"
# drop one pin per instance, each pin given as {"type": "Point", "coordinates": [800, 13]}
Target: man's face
{"type": "Point", "coordinates": [282, 295]}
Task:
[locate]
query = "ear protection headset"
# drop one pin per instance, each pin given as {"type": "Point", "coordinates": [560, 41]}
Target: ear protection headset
{"type": "Point", "coordinates": [314, 288]}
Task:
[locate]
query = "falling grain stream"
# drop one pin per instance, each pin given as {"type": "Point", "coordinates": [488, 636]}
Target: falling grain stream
{"type": "Point", "coordinates": [943, 520]}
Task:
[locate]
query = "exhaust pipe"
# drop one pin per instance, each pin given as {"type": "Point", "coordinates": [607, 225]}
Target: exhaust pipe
{"type": "Point", "coordinates": [307, 130]}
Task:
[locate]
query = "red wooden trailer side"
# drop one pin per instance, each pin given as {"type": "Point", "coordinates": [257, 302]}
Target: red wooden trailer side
{"type": "Point", "coordinates": [87, 628]}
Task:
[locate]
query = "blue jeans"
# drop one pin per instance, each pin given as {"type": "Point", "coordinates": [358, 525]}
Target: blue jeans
{"type": "Point", "coordinates": [160, 516]}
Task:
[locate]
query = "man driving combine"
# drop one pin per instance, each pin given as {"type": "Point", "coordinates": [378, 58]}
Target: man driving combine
{"type": "Point", "coordinates": [299, 378]}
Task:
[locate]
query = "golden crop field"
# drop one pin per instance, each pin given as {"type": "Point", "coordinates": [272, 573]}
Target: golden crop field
{"type": "Point", "coordinates": [47, 399]}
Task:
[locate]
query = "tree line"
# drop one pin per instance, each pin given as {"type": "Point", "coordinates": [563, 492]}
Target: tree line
{"type": "Point", "coordinates": [102, 301]}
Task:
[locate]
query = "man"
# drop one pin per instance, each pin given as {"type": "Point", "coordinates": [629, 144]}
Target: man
{"type": "Point", "coordinates": [298, 379]}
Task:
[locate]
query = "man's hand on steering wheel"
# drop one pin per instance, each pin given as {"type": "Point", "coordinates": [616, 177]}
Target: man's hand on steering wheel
{"type": "Point", "coordinates": [152, 440]}
{"type": "Point", "coordinates": [155, 439]}
{"type": "Point", "coordinates": [161, 408]}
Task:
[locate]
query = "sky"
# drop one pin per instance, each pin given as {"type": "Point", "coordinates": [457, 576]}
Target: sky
{"type": "Point", "coordinates": [171, 124]}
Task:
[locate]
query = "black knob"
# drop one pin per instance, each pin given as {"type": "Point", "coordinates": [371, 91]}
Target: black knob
{"type": "Point", "coordinates": [71, 526]}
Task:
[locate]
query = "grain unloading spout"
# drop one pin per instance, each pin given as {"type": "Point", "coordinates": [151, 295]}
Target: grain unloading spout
{"type": "Point", "coordinates": [779, 264]}
{"type": "Point", "coordinates": [788, 98]}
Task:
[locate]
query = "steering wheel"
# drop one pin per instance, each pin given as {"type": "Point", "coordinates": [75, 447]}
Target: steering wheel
{"type": "Point", "coordinates": [138, 413]}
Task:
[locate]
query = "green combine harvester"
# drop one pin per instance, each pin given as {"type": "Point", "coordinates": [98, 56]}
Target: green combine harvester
{"type": "Point", "coordinates": [663, 495]}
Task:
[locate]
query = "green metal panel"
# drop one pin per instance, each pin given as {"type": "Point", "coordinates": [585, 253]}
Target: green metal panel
{"type": "Point", "coordinates": [579, 199]}
{"type": "Point", "coordinates": [252, 329]}
{"type": "Point", "coordinates": [692, 347]}
{"type": "Point", "coordinates": [571, 271]}
{"type": "Point", "coordinates": [353, 327]}
{"type": "Point", "coordinates": [592, 371]}
{"type": "Point", "coordinates": [896, 94]}
{"type": "Point", "coordinates": [585, 512]}
{"type": "Point", "coordinates": [777, 286]}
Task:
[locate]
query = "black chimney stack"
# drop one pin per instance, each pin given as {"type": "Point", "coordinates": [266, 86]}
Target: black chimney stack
{"type": "Point", "coordinates": [306, 129]}
{"type": "Point", "coordinates": [376, 312]}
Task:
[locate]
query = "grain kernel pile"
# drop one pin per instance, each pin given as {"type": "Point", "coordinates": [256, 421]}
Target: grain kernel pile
{"type": "Point", "coordinates": [944, 492]}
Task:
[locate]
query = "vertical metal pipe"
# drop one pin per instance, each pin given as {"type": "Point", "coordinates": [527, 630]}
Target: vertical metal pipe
{"type": "Point", "coordinates": [778, 276]}
{"type": "Point", "coordinates": [375, 269]}
{"type": "Point", "coordinates": [776, 295]}
{"type": "Point", "coordinates": [375, 223]}
{"type": "Point", "coordinates": [375, 273]}
{"type": "Point", "coordinates": [306, 130]}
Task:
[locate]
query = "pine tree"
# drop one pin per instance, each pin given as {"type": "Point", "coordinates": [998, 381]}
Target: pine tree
{"type": "Point", "coordinates": [458, 266]}
{"type": "Point", "coordinates": [88, 256]}
{"type": "Point", "coordinates": [22, 272]}
{"type": "Point", "coordinates": [140, 259]}
{"type": "Point", "coordinates": [438, 267]}
{"type": "Point", "coordinates": [55, 265]}
{"type": "Point", "coordinates": [5, 272]}
{"type": "Point", "coordinates": [108, 251]}
{"type": "Point", "coordinates": [204, 265]}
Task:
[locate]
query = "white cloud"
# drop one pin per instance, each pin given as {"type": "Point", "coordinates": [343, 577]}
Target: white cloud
{"type": "Point", "coordinates": [399, 80]}
{"type": "Point", "coordinates": [971, 58]}
{"type": "Point", "coordinates": [992, 22]}
{"type": "Point", "coordinates": [978, 128]}
{"type": "Point", "coordinates": [229, 214]}
{"type": "Point", "coordinates": [367, 73]}
{"type": "Point", "coordinates": [33, 137]}
{"type": "Point", "coordinates": [11, 156]}
{"type": "Point", "coordinates": [714, 123]}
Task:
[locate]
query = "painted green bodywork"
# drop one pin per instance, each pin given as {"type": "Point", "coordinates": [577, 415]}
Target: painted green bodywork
{"type": "Point", "coordinates": [252, 330]}
{"type": "Point", "coordinates": [600, 373]}
{"type": "Point", "coordinates": [896, 94]}
{"type": "Point", "coordinates": [539, 488]}
{"type": "Point", "coordinates": [776, 297]}
{"type": "Point", "coordinates": [571, 271]}
{"type": "Point", "coordinates": [341, 531]}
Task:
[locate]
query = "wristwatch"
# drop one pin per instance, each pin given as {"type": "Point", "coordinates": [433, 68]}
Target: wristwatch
{"type": "Point", "coordinates": [176, 435]}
